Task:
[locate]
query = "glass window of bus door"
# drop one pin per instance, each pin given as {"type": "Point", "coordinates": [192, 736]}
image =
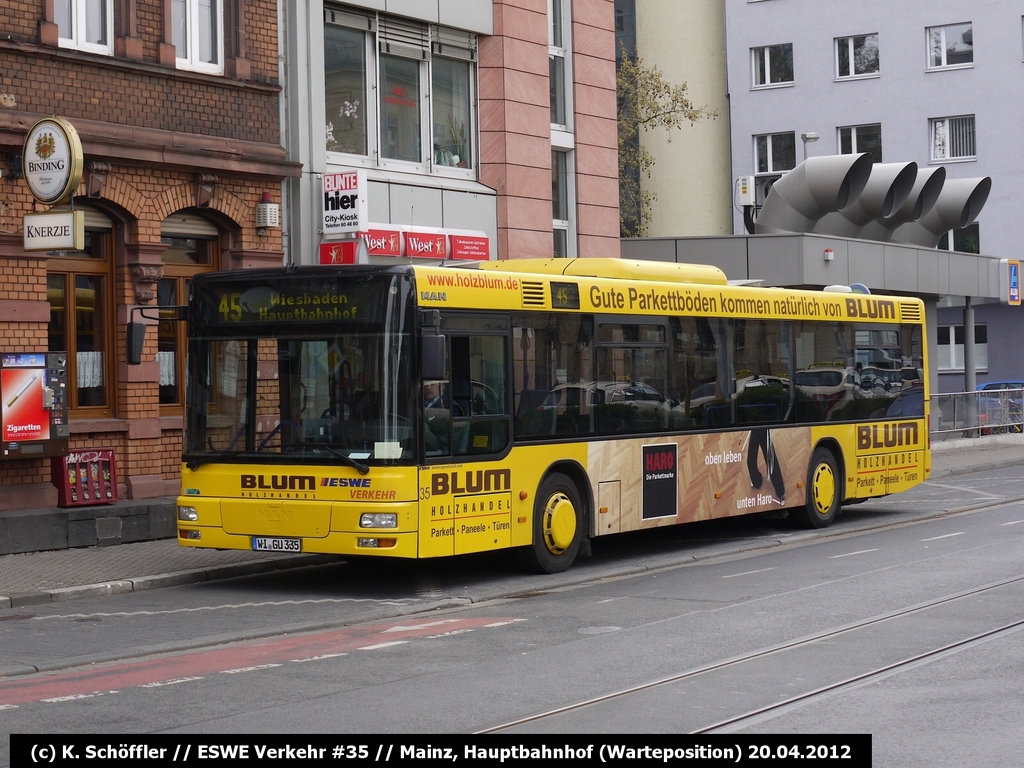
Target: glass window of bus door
{"type": "Point", "coordinates": [477, 399]}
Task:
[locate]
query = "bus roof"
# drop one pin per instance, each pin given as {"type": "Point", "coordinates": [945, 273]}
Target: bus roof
{"type": "Point", "coordinates": [661, 271]}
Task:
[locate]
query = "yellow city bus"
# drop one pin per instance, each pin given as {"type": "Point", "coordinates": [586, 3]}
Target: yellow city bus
{"type": "Point", "coordinates": [421, 411]}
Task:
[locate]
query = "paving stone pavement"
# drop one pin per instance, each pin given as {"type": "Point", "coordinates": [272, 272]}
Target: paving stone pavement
{"type": "Point", "coordinates": [66, 574]}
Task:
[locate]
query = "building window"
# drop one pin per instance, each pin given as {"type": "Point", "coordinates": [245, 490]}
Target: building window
{"type": "Point", "coordinates": [950, 46]}
{"type": "Point", "coordinates": [561, 201]}
{"type": "Point", "coordinates": [953, 138]}
{"type": "Point", "coordinates": [951, 347]}
{"type": "Point", "coordinates": [87, 25]}
{"type": "Point", "coordinates": [453, 109]}
{"type": "Point", "coordinates": [861, 138]}
{"type": "Point", "coordinates": [197, 34]}
{"type": "Point", "coordinates": [966, 240]}
{"type": "Point", "coordinates": [559, 23]}
{"type": "Point", "coordinates": [773, 65]}
{"type": "Point", "coordinates": [400, 109]}
{"type": "Point", "coordinates": [775, 152]}
{"type": "Point", "coordinates": [345, 89]}
{"type": "Point", "coordinates": [856, 56]}
{"type": "Point", "coordinates": [78, 287]}
{"type": "Point", "coordinates": [192, 246]}
{"type": "Point", "coordinates": [422, 85]}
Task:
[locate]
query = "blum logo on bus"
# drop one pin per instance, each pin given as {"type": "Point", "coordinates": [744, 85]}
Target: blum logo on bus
{"type": "Point", "coordinates": [876, 309]}
{"type": "Point", "coordinates": [887, 435]}
{"type": "Point", "coordinates": [444, 483]}
{"type": "Point", "coordinates": [280, 482]}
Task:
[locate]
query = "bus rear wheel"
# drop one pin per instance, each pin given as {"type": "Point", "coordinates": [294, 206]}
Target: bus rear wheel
{"type": "Point", "coordinates": [824, 491]}
{"type": "Point", "coordinates": [557, 525]}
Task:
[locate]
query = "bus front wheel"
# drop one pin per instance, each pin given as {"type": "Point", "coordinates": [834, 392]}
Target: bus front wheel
{"type": "Point", "coordinates": [824, 491]}
{"type": "Point", "coordinates": [557, 525]}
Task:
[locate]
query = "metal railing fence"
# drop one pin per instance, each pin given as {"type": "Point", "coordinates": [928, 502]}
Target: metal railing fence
{"type": "Point", "coordinates": [973, 414]}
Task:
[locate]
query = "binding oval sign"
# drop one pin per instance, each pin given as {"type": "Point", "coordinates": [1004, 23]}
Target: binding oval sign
{"type": "Point", "coordinates": [53, 160]}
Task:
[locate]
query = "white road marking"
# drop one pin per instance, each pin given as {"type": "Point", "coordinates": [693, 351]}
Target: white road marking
{"type": "Point", "coordinates": [318, 658]}
{"type": "Point", "coordinates": [229, 606]}
{"type": "Point", "coordinates": [414, 627]}
{"type": "Point", "coordinates": [382, 645]}
{"type": "Point", "coordinates": [169, 682]}
{"type": "Point", "coordinates": [851, 554]}
{"type": "Point", "coordinates": [1015, 522]}
{"type": "Point", "coordinates": [947, 536]}
{"type": "Point", "coordinates": [510, 621]}
{"type": "Point", "coordinates": [248, 669]}
{"type": "Point", "coordinates": [746, 573]}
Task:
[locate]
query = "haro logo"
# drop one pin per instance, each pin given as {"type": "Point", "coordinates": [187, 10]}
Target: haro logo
{"type": "Point", "coordinates": [887, 435]}
{"type": "Point", "coordinates": [345, 482]}
{"type": "Point", "coordinates": [279, 482]}
{"type": "Point", "coordinates": [876, 309]}
{"type": "Point", "coordinates": [479, 481]}
{"type": "Point", "coordinates": [660, 461]}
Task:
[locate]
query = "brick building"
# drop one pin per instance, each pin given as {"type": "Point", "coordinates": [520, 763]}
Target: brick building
{"type": "Point", "coordinates": [180, 127]}
{"type": "Point", "coordinates": [496, 117]}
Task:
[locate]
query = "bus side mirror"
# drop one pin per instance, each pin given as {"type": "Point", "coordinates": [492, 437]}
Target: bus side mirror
{"type": "Point", "coordinates": [136, 339]}
{"type": "Point", "coordinates": [433, 356]}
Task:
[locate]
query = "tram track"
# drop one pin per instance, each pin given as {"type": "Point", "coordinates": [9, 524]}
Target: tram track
{"type": "Point", "coordinates": [804, 642]}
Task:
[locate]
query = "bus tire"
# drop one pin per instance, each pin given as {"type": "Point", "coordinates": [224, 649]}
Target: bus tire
{"type": "Point", "coordinates": [824, 491]}
{"type": "Point", "coordinates": [558, 520]}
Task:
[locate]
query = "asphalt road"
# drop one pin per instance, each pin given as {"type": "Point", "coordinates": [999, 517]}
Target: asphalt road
{"type": "Point", "coordinates": [901, 621]}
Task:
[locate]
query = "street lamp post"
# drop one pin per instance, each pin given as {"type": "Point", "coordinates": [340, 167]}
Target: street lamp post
{"type": "Point", "coordinates": [808, 138]}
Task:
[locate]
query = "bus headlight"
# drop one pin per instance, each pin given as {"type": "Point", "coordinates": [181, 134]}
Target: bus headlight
{"type": "Point", "coordinates": [378, 520]}
{"type": "Point", "coordinates": [188, 514]}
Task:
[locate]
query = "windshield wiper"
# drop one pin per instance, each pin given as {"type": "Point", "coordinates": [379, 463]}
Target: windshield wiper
{"type": "Point", "coordinates": [195, 464]}
{"type": "Point", "coordinates": [359, 466]}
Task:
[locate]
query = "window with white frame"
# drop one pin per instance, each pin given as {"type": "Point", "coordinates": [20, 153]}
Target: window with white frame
{"type": "Point", "coordinates": [950, 46]}
{"type": "Point", "coordinates": [197, 31]}
{"type": "Point", "coordinates": [775, 152]}
{"type": "Point", "coordinates": [562, 202]}
{"type": "Point", "coordinates": [559, 24]}
{"type": "Point", "coordinates": [87, 25]}
{"type": "Point", "coordinates": [772, 65]}
{"type": "Point", "coordinates": [856, 56]}
{"type": "Point", "coordinates": [953, 138]}
{"type": "Point", "coordinates": [398, 93]}
{"type": "Point", "coordinates": [951, 347]}
{"type": "Point", "coordinates": [966, 240]}
{"type": "Point", "coordinates": [861, 138]}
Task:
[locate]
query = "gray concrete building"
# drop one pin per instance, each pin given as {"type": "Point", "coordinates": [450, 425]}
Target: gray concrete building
{"type": "Point", "coordinates": [936, 83]}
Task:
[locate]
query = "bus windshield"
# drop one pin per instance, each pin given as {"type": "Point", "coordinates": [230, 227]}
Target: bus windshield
{"type": "Point", "coordinates": [283, 375]}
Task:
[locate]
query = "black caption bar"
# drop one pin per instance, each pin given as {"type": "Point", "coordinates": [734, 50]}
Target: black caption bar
{"type": "Point", "coordinates": [319, 750]}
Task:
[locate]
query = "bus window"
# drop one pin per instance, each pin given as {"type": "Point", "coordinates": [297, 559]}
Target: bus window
{"type": "Point", "coordinates": [553, 386]}
{"type": "Point", "coordinates": [631, 376]}
{"type": "Point", "coordinates": [761, 360]}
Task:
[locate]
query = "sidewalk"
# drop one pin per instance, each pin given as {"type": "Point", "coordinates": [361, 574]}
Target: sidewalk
{"type": "Point", "coordinates": [66, 574]}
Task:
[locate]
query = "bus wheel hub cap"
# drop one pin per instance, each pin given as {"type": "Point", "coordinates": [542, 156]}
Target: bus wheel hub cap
{"type": "Point", "coordinates": [824, 489]}
{"type": "Point", "coordinates": [559, 523]}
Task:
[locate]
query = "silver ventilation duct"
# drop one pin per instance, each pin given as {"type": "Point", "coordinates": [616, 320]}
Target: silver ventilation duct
{"type": "Point", "coordinates": [923, 195]}
{"type": "Point", "coordinates": [887, 190]}
{"type": "Point", "coordinates": [959, 204]}
{"type": "Point", "coordinates": [816, 187]}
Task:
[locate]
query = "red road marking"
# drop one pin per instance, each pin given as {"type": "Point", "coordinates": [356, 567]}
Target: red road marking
{"type": "Point", "coordinates": [117, 676]}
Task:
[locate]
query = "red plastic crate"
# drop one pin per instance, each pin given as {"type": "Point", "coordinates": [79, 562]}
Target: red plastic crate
{"type": "Point", "coordinates": [84, 478]}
